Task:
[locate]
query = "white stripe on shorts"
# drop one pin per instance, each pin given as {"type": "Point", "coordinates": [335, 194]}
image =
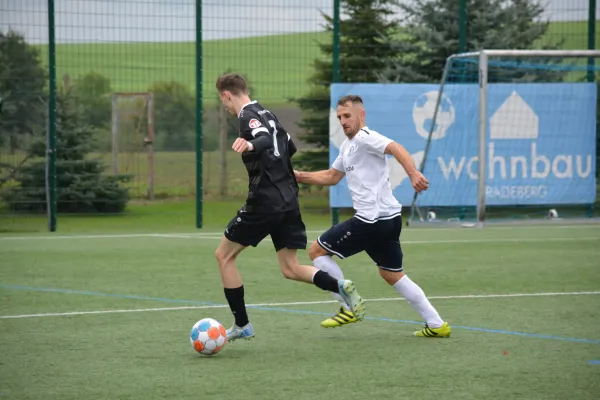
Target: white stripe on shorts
{"type": "Point", "coordinates": [328, 248]}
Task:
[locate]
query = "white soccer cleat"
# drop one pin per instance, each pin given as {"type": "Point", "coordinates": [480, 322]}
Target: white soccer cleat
{"type": "Point", "coordinates": [235, 332]}
{"type": "Point", "coordinates": [352, 298]}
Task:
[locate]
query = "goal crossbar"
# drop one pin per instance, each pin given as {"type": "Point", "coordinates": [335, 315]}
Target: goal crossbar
{"type": "Point", "coordinates": [530, 53]}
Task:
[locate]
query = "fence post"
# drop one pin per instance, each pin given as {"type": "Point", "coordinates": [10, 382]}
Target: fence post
{"type": "Point", "coordinates": [462, 27]}
{"type": "Point", "coordinates": [591, 37]}
{"type": "Point", "coordinates": [335, 212]}
{"type": "Point", "coordinates": [591, 78]}
{"type": "Point", "coordinates": [199, 117]}
{"type": "Point", "coordinates": [51, 190]}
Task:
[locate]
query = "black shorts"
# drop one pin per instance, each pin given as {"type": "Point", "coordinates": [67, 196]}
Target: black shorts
{"type": "Point", "coordinates": [286, 229]}
{"type": "Point", "coordinates": [380, 239]}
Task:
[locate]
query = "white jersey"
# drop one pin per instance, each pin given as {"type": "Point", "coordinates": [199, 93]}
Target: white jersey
{"type": "Point", "coordinates": [363, 160]}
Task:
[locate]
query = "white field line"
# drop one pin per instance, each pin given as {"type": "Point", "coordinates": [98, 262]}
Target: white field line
{"type": "Point", "coordinates": [501, 240]}
{"type": "Point", "coordinates": [588, 238]}
{"type": "Point", "coordinates": [191, 236]}
{"type": "Point", "coordinates": [218, 235]}
{"type": "Point", "coordinates": [296, 303]}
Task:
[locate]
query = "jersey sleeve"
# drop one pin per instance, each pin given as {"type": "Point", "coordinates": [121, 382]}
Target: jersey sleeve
{"type": "Point", "coordinates": [338, 163]}
{"type": "Point", "coordinates": [376, 143]}
{"type": "Point", "coordinates": [291, 146]}
{"type": "Point", "coordinates": [251, 127]}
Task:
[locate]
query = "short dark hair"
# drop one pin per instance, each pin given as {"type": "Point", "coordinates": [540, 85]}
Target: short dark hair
{"type": "Point", "coordinates": [352, 98]}
{"type": "Point", "coordinates": [234, 83]}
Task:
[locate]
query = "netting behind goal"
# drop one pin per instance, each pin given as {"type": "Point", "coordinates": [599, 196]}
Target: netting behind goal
{"type": "Point", "coordinates": [511, 136]}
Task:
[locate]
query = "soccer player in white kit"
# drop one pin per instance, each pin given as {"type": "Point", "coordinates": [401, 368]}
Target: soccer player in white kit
{"type": "Point", "coordinates": [376, 226]}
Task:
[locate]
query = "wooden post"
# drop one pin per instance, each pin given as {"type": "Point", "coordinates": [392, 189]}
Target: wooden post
{"type": "Point", "coordinates": [149, 142]}
{"type": "Point", "coordinates": [115, 137]}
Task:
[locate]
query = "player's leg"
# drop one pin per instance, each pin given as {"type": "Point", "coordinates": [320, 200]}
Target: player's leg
{"type": "Point", "coordinates": [323, 260]}
{"type": "Point", "coordinates": [387, 254]}
{"type": "Point", "coordinates": [226, 254]}
{"type": "Point", "coordinates": [344, 240]}
{"type": "Point", "coordinates": [292, 269]}
{"type": "Point", "coordinates": [243, 230]}
{"type": "Point", "coordinates": [290, 236]}
{"type": "Point", "coordinates": [435, 326]}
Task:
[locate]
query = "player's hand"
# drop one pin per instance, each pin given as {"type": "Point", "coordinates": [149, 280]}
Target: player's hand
{"type": "Point", "coordinates": [240, 145]}
{"type": "Point", "coordinates": [419, 182]}
{"type": "Point", "coordinates": [298, 175]}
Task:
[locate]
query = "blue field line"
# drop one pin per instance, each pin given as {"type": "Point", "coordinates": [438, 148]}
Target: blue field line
{"type": "Point", "coordinates": [115, 295]}
{"type": "Point", "coordinates": [293, 311]}
{"type": "Point", "coordinates": [469, 328]}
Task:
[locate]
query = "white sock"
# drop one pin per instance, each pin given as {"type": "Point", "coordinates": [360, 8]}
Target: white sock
{"type": "Point", "coordinates": [417, 300]}
{"type": "Point", "coordinates": [326, 264]}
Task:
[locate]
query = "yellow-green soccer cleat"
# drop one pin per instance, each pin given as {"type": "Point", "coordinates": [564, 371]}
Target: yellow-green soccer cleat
{"type": "Point", "coordinates": [343, 317]}
{"type": "Point", "coordinates": [352, 298]}
{"type": "Point", "coordinates": [442, 331]}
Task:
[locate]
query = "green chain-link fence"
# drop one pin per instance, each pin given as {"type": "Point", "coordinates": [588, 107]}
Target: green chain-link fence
{"type": "Point", "coordinates": [126, 90]}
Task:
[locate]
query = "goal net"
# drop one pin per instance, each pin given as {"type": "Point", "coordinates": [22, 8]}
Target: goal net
{"type": "Point", "coordinates": [512, 134]}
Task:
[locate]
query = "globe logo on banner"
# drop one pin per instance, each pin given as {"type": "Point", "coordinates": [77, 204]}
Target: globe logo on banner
{"type": "Point", "coordinates": [423, 113]}
{"type": "Point", "coordinates": [539, 147]}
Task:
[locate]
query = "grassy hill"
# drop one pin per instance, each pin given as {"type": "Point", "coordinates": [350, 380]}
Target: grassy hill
{"type": "Point", "coordinates": [278, 66]}
{"type": "Point", "coordinates": [574, 33]}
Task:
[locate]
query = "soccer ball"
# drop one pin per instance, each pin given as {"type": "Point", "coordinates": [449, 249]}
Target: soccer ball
{"type": "Point", "coordinates": [431, 216]}
{"type": "Point", "coordinates": [208, 336]}
{"type": "Point", "coordinates": [552, 214]}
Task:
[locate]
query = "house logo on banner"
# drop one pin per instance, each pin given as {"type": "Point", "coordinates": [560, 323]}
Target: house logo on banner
{"type": "Point", "coordinates": [515, 119]}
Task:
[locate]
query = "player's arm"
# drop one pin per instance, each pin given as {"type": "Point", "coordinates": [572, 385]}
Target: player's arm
{"type": "Point", "coordinates": [262, 141]}
{"type": "Point", "coordinates": [380, 145]}
{"type": "Point", "coordinates": [404, 158]}
{"type": "Point", "coordinates": [254, 136]}
{"type": "Point", "coordinates": [292, 149]}
{"type": "Point", "coordinates": [327, 177]}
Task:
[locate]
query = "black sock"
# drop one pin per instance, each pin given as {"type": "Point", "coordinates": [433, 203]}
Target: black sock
{"type": "Point", "coordinates": [235, 298]}
{"type": "Point", "coordinates": [325, 281]}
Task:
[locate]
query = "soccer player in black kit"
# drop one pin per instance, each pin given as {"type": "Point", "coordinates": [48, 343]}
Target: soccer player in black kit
{"type": "Point", "coordinates": [272, 206]}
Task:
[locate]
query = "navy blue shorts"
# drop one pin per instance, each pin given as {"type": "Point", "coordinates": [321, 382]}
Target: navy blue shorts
{"type": "Point", "coordinates": [379, 239]}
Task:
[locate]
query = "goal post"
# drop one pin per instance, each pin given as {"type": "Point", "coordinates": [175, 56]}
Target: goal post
{"type": "Point", "coordinates": [523, 134]}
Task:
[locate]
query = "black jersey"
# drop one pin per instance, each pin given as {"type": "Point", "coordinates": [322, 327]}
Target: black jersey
{"type": "Point", "coordinates": [272, 184]}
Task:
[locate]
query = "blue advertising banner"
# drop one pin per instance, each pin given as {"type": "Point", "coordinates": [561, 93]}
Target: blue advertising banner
{"type": "Point", "coordinates": [540, 145]}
